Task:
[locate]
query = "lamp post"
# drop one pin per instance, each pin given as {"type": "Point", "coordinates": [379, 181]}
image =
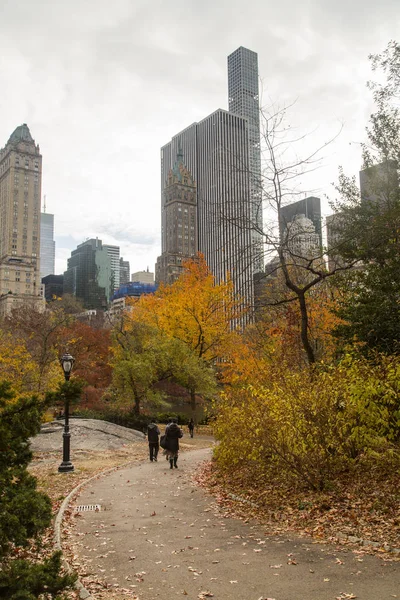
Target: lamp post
{"type": "Point", "coordinates": [67, 362]}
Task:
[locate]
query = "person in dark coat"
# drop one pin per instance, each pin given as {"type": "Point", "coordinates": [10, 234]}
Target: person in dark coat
{"type": "Point", "coordinates": [173, 433]}
{"type": "Point", "coordinates": [153, 437]}
{"type": "Point", "coordinates": [191, 427]}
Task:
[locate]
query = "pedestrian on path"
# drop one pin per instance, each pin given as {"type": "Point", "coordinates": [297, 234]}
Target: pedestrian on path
{"type": "Point", "coordinates": [191, 427]}
{"type": "Point", "coordinates": [153, 438]}
{"type": "Point", "coordinates": [173, 433]}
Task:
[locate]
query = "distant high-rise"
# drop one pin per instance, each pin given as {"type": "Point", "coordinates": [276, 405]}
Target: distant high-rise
{"type": "Point", "coordinates": [53, 287]}
{"type": "Point", "coordinates": [380, 183]}
{"type": "Point", "coordinates": [301, 239]}
{"type": "Point", "coordinates": [124, 271]}
{"type": "Point", "coordinates": [308, 207]}
{"type": "Point", "coordinates": [243, 95]}
{"type": "Point", "coordinates": [47, 245]}
{"type": "Point", "coordinates": [113, 253]}
{"type": "Point", "coordinates": [89, 274]}
{"type": "Point", "coordinates": [216, 154]}
{"type": "Point", "coordinates": [20, 193]}
{"type": "Point", "coordinates": [143, 277]}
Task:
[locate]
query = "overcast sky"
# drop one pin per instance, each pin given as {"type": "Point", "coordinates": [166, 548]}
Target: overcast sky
{"type": "Point", "coordinates": [103, 85]}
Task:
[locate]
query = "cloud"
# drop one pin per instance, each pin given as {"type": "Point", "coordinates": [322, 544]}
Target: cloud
{"type": "Point", "coordinates": [103, 87]}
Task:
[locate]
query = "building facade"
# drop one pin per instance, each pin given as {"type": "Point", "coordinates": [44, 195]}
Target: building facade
{"type": "Point", "coordinates": [180, 222]}
{"type": "Point", "coordinates": [47, 245]}
{"type": "Point", "coordinates": [89, 275]}
{"type": "Point", "coordinates": [113, 253]}
{"type": "Point", "coordinates": [143, 277]}
{"type": "Point", "coordinates": [379, 184]}
{"type": "Point", "coordinates": [243, 99]}
{"type": "Point", "coordinates": [124, 271]}
{"type": "Point", "coordinates": [20, 193]}
{"type": "Point", "coordinates": [310, 208]}
{"type": "Point", "coordinates": [53, 287]}
{"type": "Point", "coordinates": [216, 154]}
{"type": "Point", "coordinates": [302, 239]}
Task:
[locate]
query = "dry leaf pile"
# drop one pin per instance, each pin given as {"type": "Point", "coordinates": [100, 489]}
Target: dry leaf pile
{"type": "Point", "coordinates": [364, 507]}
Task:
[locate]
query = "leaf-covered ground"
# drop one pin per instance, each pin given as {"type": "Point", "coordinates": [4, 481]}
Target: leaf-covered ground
{"type": "Point", "coordinates": [364, 506]}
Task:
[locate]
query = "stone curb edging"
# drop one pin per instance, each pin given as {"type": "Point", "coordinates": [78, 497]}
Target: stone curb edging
{"type": "Point", "coordinates": [83, 592]}
{"type": "Point", "coordinates": [340, 536]}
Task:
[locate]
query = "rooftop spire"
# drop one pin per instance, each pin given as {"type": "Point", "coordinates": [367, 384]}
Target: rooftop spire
{"type": "Point", "coordinates": [21, 134]}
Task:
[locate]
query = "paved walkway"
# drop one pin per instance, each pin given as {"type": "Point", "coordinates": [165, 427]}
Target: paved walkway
{"type": "Point", "coordinates": [163, 538]}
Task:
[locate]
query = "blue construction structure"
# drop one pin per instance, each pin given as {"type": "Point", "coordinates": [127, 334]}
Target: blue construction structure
{"type": "Point", "coordinates": [135, 289]}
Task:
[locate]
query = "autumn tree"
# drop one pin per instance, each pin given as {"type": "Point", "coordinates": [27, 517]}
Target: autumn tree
{"type": "Point", "coordinates": [143, 357]}
{"type": "Point", "coordinates": [294, 250]}
{"type": "Point", "coordinates": [91, 348]}
{"type": "Point", "coordinates": [195, 311]}
{"type": "Point", "coordinates": [16, 363]}
{"type": "Point", "coordinates": [38, 332]}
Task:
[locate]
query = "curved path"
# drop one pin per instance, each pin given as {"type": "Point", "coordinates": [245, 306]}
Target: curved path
{"type": "Point", "coordinates": [161, 537]}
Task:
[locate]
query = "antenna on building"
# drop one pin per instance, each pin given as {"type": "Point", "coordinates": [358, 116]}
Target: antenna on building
{"type": "Point", "coordinates": [44, 203]}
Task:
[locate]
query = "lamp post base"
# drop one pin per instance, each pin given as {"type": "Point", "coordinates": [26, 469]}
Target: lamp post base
{"type": "Point", "coordinates": [66, 467]}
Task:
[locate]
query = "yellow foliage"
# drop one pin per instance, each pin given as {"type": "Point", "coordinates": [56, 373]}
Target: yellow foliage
{"type": "Point", "coordinates": [195, 310]}
{"type": "Point", "coordinates": [309, 425]}
{"type": "Point", "coordinates": [16, 364]}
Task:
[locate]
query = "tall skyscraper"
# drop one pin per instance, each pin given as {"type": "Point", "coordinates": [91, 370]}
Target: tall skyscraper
{"type": "Point", "coordinates": [20, 193]}
{"type": "Point", "coordinates": [215, 153]}
{"type": "Point", "coordinates": [180, 222]}
{"type": "Point", "coordinates": [88, 275]}
{"type": "Point", "coordinates": [243, 97]}
{"type": "Point", "coordinates": [124, 271]}
{"type": "Point", "coordinates": [47, 245]}
{"type": "Point", "coordinates": [113, 253]}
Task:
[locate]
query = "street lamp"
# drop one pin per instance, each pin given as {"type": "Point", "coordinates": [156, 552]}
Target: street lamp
{"type": "Point", "coordinates": [67, 362]}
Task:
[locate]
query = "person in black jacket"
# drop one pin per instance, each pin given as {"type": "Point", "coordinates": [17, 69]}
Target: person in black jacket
{"type": "Point", "coordinates": [191, 427]}
{"type": "Point", "coordinates": [153, 437]}
{"type": "Point", "coordinates": [172, 435]}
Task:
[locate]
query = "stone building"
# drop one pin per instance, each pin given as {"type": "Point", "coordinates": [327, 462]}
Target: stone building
{"type": "Point", "coordinates": [20, 193]}
{"type": "Point", "coordinates": [180, 222]}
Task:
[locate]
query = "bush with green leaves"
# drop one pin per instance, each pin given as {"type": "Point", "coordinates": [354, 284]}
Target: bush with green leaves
{"type": "Point", "coordinates": [24, 511]}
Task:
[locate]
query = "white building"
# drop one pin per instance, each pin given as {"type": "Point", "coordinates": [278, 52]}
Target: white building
{"type": "Point", "coordinates": [143, 277]}
{"type": "Point", "coordinates": [113, 253]}
{"type": "Point", "coordinates": [47, 245]}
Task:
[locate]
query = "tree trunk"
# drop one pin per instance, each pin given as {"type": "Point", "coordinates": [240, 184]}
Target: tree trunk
{"type": "Point", "coordinates": [193, 399]}
{"type": "Point", "coordinates": [304, 330]}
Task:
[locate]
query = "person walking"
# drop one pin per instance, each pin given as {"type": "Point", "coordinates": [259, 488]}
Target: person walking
{"type": "Point", "coordinates": [173, 433]}
{"type": "Point", "coordinates": [191, 427]}
{"type": "Point", "coordinates": [153, 438]}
